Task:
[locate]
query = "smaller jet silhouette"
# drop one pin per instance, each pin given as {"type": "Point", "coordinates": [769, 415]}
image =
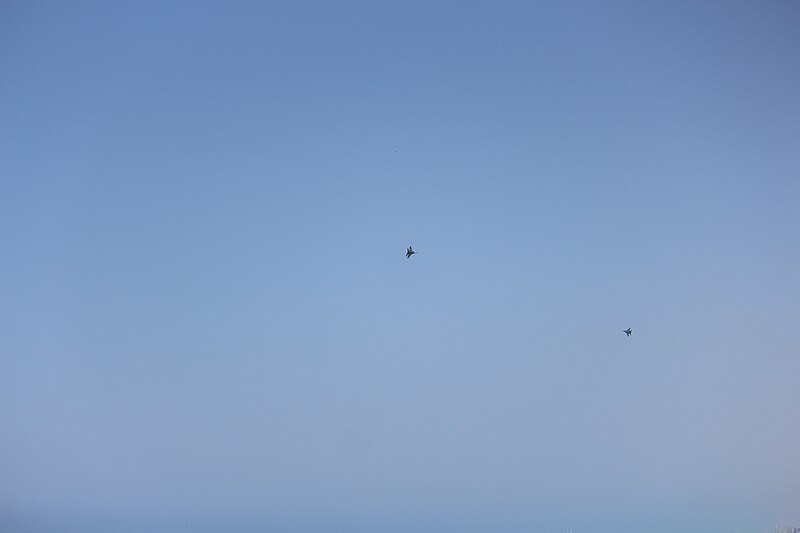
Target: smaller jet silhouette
{"type": "Point", "coordinates": [627, 332]}
{"type": "Point", "coordinates": [410, 252]}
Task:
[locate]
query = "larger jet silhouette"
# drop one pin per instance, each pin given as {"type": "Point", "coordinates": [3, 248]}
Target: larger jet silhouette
{"type": "Point", "coordinates": [410, 252]}
{"type": "Point", "coordinates": [627, 332]}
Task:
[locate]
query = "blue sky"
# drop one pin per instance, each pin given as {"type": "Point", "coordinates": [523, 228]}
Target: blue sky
{"type": "Point", "coordinates": [207, 318]}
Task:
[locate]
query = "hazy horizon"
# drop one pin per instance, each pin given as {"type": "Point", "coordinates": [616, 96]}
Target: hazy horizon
{"type": "Point", "coordinates": [208, 321]}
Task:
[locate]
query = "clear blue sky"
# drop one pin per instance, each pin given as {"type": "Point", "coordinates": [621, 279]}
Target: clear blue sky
{"type": "Point", "coordinates": [207, 319]}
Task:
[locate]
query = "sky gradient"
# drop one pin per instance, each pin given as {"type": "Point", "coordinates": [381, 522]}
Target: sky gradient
{"type": "Point", "coordinates": [207, 321]}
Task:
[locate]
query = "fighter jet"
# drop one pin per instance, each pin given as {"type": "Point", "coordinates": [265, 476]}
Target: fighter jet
{"type": "Point", "coordinates": [410, 252]}
{"type": "Point", "coordinates": [627, 332]}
